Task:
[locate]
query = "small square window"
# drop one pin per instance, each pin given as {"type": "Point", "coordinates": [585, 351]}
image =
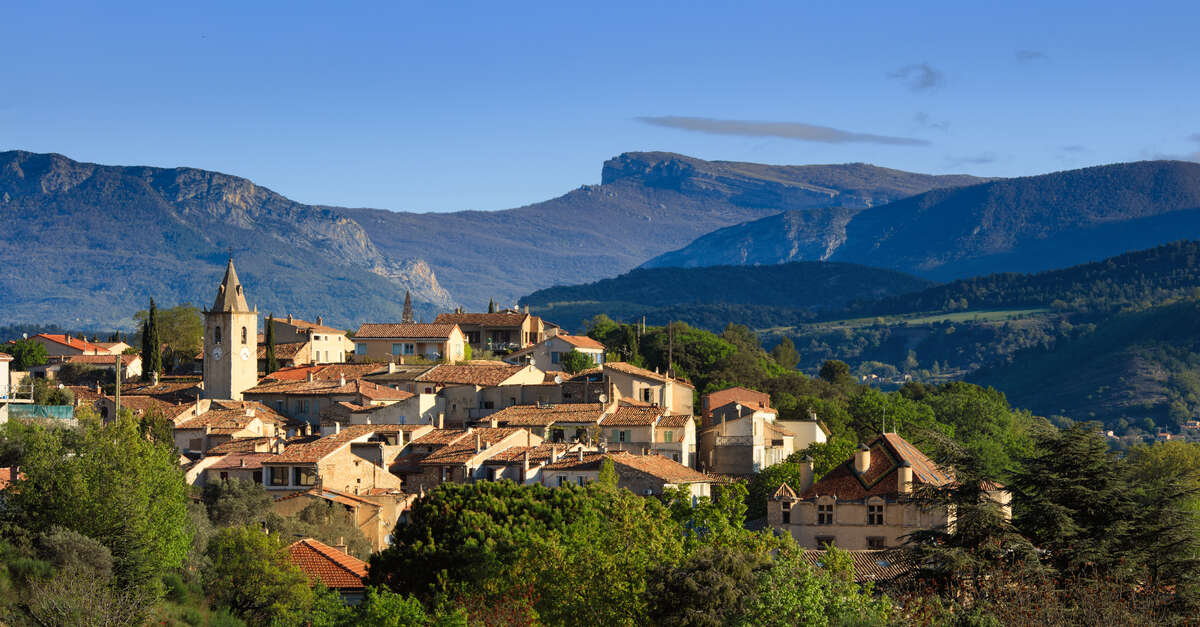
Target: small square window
{"type": "Point", "coordinates": [876, 542]}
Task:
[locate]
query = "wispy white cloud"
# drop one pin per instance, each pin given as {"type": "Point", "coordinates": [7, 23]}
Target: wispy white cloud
{"type": "Point", "coordinates": [787, 130]}
{"type": "Point", "coordinates": [919, 76]}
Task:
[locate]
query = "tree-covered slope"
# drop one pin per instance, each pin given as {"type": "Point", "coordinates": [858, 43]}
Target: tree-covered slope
{"type": "Point", "coordinates": [792, 286]}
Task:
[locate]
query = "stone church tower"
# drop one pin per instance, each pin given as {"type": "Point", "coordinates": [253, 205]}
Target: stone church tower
{"type": "Point", "coordinates": [230, 342]}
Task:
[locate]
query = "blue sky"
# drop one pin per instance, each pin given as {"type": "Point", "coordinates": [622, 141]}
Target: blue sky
{"type": "Point", "coordinates": [448, 106]}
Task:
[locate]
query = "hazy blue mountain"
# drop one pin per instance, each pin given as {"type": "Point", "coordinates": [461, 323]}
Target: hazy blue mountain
{"type": "Point", "coordinates": [1012, 225]}
{"type": "Point", "coordinates": [647, 203]}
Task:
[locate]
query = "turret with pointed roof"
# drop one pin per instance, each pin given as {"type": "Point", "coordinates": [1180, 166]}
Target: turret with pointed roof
{"type": "Point", "coordinates": [229, 293]}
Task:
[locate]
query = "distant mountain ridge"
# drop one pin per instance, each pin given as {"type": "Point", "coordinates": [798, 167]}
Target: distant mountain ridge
{"type": "Point", "coordinates": [87, 245]}
{"type": "Point", "coordinates": [647, 203]}
{"type": "Point", "coordinates": [1026, 224]}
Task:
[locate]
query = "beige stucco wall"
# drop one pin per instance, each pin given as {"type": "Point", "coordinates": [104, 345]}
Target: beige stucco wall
{"type": "Point", "coordinates": [850, 529]}
{"type": "Point", "coordinates": [228, 376]}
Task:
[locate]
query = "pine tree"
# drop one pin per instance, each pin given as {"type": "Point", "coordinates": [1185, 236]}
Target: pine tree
{"type": "Point", "coordinates": [154, 365]}
{"type": "Point", "coordinates": [272, 363]}
{"type": "Point", "coordinates": [407, 316]}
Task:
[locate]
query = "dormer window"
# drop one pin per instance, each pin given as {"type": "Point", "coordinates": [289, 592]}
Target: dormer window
{"type": "Point", "coordinates": [217, 335]}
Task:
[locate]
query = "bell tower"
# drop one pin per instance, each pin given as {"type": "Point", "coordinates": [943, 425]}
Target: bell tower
{"type": "Point", "coordinates": [230, 341]}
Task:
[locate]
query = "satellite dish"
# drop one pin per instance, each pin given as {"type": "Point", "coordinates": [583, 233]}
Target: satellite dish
{"type": "Point", "coordinates": [558, 379]}
{"type": "Point", "coordinates": [603, 398]}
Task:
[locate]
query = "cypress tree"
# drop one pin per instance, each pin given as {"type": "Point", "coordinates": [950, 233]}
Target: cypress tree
{"type": "Point", "coordinates": [272, 363]}
{"type": "Point", "coordinates": [491, 306]}
{"type": "Point", "coordinates": [155, 363]}
{"type": "Point", "coordinates": [146, 349]}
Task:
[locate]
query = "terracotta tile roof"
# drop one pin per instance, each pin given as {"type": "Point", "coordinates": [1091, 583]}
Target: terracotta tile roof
{"type": "Point", "coordinates": [887, 453]}
{"type": "Point", "coordinates": [329, 494]}
{"type": "Point", "coordinates": [240, 445]}
{"type": "Point", "coordinates": [440, 437]}
{"type": "Point", "coordinates": [591, 461]}
{"type": "Point", "coordinates": [630, 415]}
{"type": "Point", "coordinates": [231, 414]}
{"type": "Point", "coordinates": [71, 342]}
{"type": "Point", "coordinates": [323, 563]}
{"type": "Point", "coordinates": [101, 360]}
{"type": "Point", "coordinates": [632, 370]}
{"type": "Point", "coordinates": [659, 467]}
{"type": "Point", "coordinates": [480, 375]}
{"type": "Point", "coordinates": [499, 319]}
{"type": "Point", "coordinates": [877, 565]}
{"type": "Point", "coordinates": [436, 331]}
{"type": "Point", "coordinates": [463, 450]}
{"type": "Point", "coordinates": [537, 454]}
{"type": "Point", "coordinates": [777, 431]}
{"type": "Point", "coordinates": [304, 324]}
{"type": "Point", "coordinates": [544, 415]}
{"type": "Point", "coordinates": [83, 393]}
{"type": "Point", "coordinates": [736, 394]}
{"type": "Point", "coordinates": [9, 475]}
{"type": "Point", "coordinates": [325, 387]}
{"type": "Point", "coordinates": [139, 405]}
{"type": "Point", "coordinates": [674, 421]}
{"type": "Point", "coordinates": [283, 350]}
{"type": "Point", "coordinates": [327, 372]}
{"type": "Point", "coordinates": [581, 341]}
{"type": "Point", "coordinates": [314, 451]}
{"type": "Point", "coordinates": [234, 461]}
{"type": "Point", "coordinates": [172, 391]}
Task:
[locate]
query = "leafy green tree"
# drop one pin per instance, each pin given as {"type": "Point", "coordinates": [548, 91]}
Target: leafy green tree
{"type": "Point", "coordinates": [790, 592]}
{"type": "Point", "coordinates": [835, 372]}
{"type": "Point", "coordinates": [785, 354]}
{"type": "Point", "coordinates": [235, 502]}
{"type": "Point", "coordinates": [383, 608]}
{"type": "Point", "coordinates": [47, 392]}
{"type": "Point", "coordinates": [575, 362]}
{"type": "Point", "coordinates": [250, 573]}
{"type": "Point", "coordinates": [272, 362]}
{"type": "Point", "coordinates": [708, 588]}
{"type": "Point", "coordinates": [26, 353]}
{"type": "Point", "coordinates": [108, 482]}
{"type": "Point", "coordinates": [826, 455]}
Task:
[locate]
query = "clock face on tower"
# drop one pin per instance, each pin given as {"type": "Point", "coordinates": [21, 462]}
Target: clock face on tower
{"type": "Point", "coordinates": [216, 352]}
{"type": "Point", "coordinates": [245, 353]}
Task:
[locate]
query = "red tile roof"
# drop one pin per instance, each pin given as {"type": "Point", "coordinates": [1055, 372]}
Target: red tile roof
{"type": "Point", "coordinates": [304, 324]}
{"type": "Point", "coordinates": [240, 461]}
{"type": "Point", "coordinates": [323, 563]}
{"type": "Point", "coordinates": [736, 394]}
{"type": "Point", "coordinates": [70, 341]}
{"type": "Point", "coordinates": [632, 370]}
{"type": "Point", "coordinates": [240, 445]}
{"type": "Point", "coordinates": [434, 331]}
{"type": "Point", "coordinates": [481, 375]}
{"type": "Point", "coordinates": [324, 387]}
{"type": "Point", "coordinates": [537, 454]}
{"type": "Point", "coordinates": [139, 405]}
{"type": "Point", "coordinates": [314, 451]}
{"type": "Point", "coordinates": [544, 415]}
{"type": "Point", "coordinates": [463, 450]}
{"type": "Point", "coordinates": [876, 565]}
{"type": "Point", "coordinates": [888, 452]}
{"type": "Point", "coordinates": [659, 467]}
{"type": "Point", "coordinates": [630, 415]}
{"type": "Point", "coordinates": [232, 414]}
{"type": "Point", "coordinates": [440, 437]}
{"type": "Point", "coordinates": [674, 421]}
{"type": "Point", "coordinates": [327, 372]}
{"type": "Point", "coordinates": [580, 341]}
{"type": "Point", "coordinates": [103, 360]}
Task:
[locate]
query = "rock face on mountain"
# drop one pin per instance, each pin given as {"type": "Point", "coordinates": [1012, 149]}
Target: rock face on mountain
{"type": "Point", "coordinates": [87, 245]}
{"type": "Point", "coordinates": [1013, 225]}
{"type": "Point", "coordinates": [646, 204]}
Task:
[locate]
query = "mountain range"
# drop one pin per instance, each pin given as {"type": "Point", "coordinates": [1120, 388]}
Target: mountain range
{"type": "Point", "coordinates": [86, 245]}
{"type": "Point", "coordinates": [1024, 224]}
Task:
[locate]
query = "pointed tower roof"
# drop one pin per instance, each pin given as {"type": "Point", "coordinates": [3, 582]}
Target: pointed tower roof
{"type": "Point", "coordinates": [229, 293]}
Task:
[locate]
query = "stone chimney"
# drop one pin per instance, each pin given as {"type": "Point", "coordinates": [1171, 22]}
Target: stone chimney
{"type": "Point", "coordinates": [524, 464]}
{"type": "Point", "coordinates": [307, 429]}
{"type": "Point", "coordinates": [309, 377]}
{"type": "Point", "coordinates": [904, 478]}
{"type": "Point", "coordinates": [581, 454]}
{"type": "Point", "coordinates": [806, 475]}
{"type": "Point", "coordinates": [341, 545]}
{"type": "Point", "coordinates": [812, 414]}
{"type": "Point", "coordinates": [391, 367]}
{"type": "Point", "coordinates": [493, 423]}
{"type": "Point", "coordinates": [862, 459]}
{"type": "Point", "coordinates": [242, 462]}
{"type": "Point", "coordinates": [342, 380]}
{"type": "Point", "coordinates": [337, 427]}
{"type": "Point", "coordinates": [320, 321]}
{"type": "Point", "coordinates": [289, 318]}
{"type": "Point", "coordinates": [478, 442]}
{"type": "Point", "coordinates": [553, 453]}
